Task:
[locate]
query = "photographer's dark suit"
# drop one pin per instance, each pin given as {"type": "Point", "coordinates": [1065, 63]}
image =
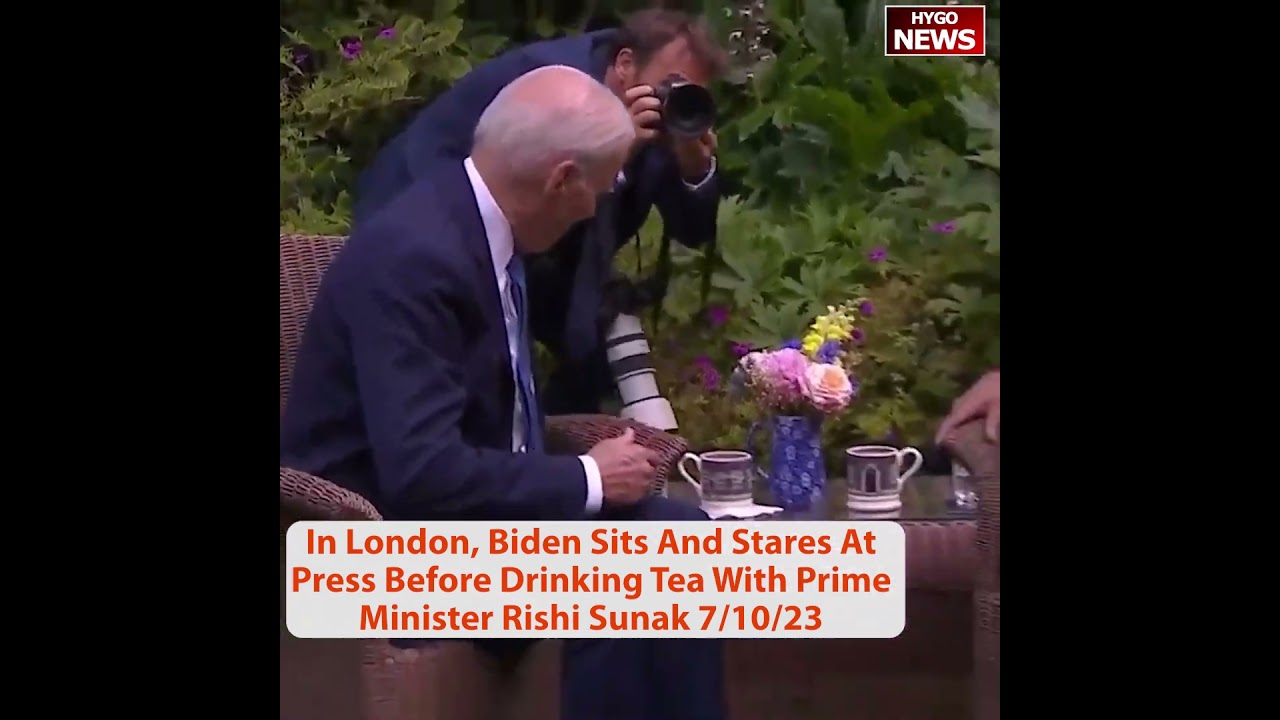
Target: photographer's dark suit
{"type": "Point", "coordinates": [571, 311]}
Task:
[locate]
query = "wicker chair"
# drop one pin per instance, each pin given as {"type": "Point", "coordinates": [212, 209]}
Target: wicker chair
{"type": "Point", "coordinates": [370, 679]}
{"type": "Point", "coordinates": [969, 443]}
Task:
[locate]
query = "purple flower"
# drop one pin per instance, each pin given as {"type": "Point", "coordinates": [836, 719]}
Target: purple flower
{"type": "Point", "coordinates": [794, 344]}
{"type": "Point", "coordinates": [878, 254]}
{"type": "Point", "coordinates": [828, 352]}
{"type": "Point", "coordinates": [740, 349]}
{"type": "Point", "coordinates": [351, 48]}
{"type": "Point", "coordinates": [946, 228]}
{"type": "Point", "coordinates": [387, 33]}
{"type": "Point", "coordinates": [704, 368]}
{"type": "Point", "coordinates": [858, 336]}
{"type": "Point", "coordinates": [717, 315]}
{"type": "Point", "coordinates": [866, 309]}
{"type": "Point", "coordinates": [303, 58]}
{"type": "Point", "coordinates": [853, 381]}
{"type": "Point", "coordinates": [711, 379]}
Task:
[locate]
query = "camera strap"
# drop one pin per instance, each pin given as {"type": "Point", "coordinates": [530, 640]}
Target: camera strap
{"type": "Point", "coordinates": [655, 286]}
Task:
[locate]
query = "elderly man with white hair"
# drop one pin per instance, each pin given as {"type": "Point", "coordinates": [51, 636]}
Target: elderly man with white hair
{"type": "Point", "coordinates": [413, 384]}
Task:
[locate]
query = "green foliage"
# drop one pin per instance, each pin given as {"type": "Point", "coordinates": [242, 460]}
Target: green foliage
{"type": "Point", "coordinates": [347, 85]}
{"type": "Point", "coordinates": [838, 153]}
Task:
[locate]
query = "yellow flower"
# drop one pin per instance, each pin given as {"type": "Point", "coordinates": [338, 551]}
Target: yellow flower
{"type": "Point", "coordinates": [836, 325]}
{"type": "Point", "coordinates": [811, 343]}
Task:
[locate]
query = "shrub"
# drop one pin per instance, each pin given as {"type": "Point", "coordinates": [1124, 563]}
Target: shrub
{"type": "Point", "coordinates": [858, 176]}
{"type": "Point", "coordinates": [346, 86]}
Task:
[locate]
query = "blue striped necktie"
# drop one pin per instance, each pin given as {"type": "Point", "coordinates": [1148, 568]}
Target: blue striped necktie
{"type": "Point", "coordinates": [524, 357]}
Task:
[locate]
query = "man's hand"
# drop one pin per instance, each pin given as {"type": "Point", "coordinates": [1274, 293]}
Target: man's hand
{"type": "Point", "coordinates": [983, 399]}
{"type": "Point", "coordinates": [646, 115]}
{"type": "Point", "coordinates": [626, 469]}
{"type": "Point", "coordinates": [693, 155]}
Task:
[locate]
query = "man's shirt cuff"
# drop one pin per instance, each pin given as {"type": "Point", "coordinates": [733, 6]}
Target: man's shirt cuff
{"type": "Point", "coordinates": [710, 173]}
{"type": "Point", "coordinates": [595, 487]}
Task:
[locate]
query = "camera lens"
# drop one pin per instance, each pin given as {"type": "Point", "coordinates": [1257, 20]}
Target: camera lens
{"type": "Point", "coordinates": [689, 110]}
{"type": "Point", "coordinates": [627, 350]}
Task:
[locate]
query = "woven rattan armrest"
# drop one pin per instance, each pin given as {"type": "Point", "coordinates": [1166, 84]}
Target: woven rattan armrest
{"type": "Point", "coordinates": [969, 444]}
{"type": "Point", "coordinates": [306, 497]}
{"type": "Point", "coordinates": [576, 434]}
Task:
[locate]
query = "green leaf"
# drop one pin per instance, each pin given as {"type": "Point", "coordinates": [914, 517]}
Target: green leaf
{"type": "Point", "coordinates": [739, 263]}
{"type": "Point", "coordinates": [444, 8]}
{"type": "Point", "coordinates": [823, 23]}
{"type": "Point", "coordinates": [990, 158]}
{"type": "Point", "coordinates": [453, 67]}
{"type": "Point", "coordinates": [441, 35]}
{"type": "Point", "coordinates": [803, 68]}
{"type": "Point", "coordinates": [979, 112]}
{"type": "Point", "coordinates": [895, 166]}
{"type": "Point", "coordinates": [751, 122]}
{"type": "Point", "coordinates": [941, 306]}
{"type": "Point", "coordinates": [485, 46]}
{"type": "Point", "coordinates": [796, 287]}
{"type": "Point", "coordinates": [726, 281]}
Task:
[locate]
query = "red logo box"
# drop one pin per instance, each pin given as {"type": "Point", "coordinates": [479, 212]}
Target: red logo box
{"type": "Point", "coordinates": [935, 30]}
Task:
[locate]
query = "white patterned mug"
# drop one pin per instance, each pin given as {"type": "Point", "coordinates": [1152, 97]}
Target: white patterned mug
{"type": "Point", "coordinates": [725, 477]}
{"type": "Point", "coordinates": [875, 476]}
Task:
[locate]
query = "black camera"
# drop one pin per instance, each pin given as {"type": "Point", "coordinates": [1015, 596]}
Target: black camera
{"type": "Point", "coordinates": [688, 110]}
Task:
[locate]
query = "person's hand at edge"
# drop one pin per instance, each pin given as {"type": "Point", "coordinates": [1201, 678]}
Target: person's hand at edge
{"type": "Point", "coordinates": [981, 400]}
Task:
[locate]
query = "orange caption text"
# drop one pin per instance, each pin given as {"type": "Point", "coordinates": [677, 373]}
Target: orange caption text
{"type": "Point", "coordinates": [605, 541]}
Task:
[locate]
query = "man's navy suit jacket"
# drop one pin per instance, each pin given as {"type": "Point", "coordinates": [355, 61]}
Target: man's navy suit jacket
{"type": "Point", "coordinates": [402, 389]}
{"type": "Point", "coordinates": [565, 292]}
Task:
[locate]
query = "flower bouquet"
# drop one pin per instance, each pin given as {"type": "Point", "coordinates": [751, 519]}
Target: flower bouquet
{"type": "Point", "coordinates": [809, 376]}
{"type": "Point", "coordinates": [797, 385]}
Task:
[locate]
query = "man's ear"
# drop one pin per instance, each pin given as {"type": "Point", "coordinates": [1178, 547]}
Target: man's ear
{"type": "Point", "coordinates": [562, 175]}
{"type": "Point", "coordinates": [624, 64]}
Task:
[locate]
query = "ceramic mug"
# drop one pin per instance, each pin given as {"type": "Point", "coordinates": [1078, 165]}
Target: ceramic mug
{"type": "Point", "coordinates": [725, 477]}
{"type": "Point", "coordinates": [875, 476]}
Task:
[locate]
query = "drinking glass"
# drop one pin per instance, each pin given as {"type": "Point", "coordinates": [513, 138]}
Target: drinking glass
{"type": "Point", "coordinates": [964, 489]}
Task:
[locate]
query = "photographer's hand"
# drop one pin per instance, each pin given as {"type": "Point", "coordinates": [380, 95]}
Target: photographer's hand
{"type": "Point", "coordinates": [644, 107]}
{"type": "Point", "coordinates": [694, 156]}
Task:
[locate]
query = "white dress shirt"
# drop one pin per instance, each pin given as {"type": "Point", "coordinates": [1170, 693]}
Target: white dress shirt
{"type": "Point", "coordinates": [501, 248]}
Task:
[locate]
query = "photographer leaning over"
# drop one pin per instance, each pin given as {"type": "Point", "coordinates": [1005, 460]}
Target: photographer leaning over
{"type": "Point", "coordinates": [658, 63]}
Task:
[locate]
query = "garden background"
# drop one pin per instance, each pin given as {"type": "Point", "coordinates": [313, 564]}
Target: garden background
{"type": "Point", "coordinates": [847, 176]}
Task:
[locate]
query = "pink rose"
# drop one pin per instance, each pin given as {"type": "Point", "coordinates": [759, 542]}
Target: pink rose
{"type": "Point", "coordinates": [783, 369]}
{"type": "Point", "coordinates": [827, 386]}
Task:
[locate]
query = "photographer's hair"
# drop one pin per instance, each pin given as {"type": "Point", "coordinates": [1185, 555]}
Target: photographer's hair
{"type": "Point", "coordinates": [645, 32]}
{"type": "Point", "coordinates": [552, 114]}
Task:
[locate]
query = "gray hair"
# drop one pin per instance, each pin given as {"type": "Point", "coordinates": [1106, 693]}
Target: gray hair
{"type": "Point", "coordinates": [552, 114]}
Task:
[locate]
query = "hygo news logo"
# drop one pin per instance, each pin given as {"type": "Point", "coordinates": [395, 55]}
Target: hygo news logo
{"type": "Point", "coordinates": [935, 30]}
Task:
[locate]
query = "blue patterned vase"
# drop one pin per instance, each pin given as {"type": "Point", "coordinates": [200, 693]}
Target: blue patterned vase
{"type": "Point", "coordinates": [797, 473]}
